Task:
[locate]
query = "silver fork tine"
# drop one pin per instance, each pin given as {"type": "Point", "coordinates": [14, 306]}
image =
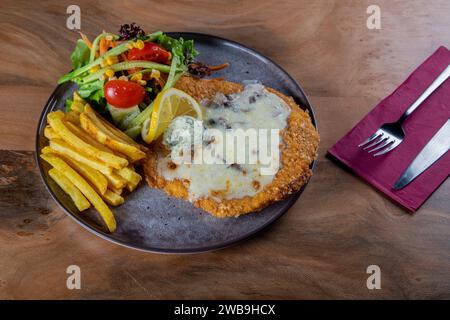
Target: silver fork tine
{"type": "Point", "coordinates": [375, 135]}
{"type": "Point", "coordinates": [383, 144]}
{"type": "Point", "coordinates": [392, 146]}
{"type": "Point", "coordinates": [375, 142]}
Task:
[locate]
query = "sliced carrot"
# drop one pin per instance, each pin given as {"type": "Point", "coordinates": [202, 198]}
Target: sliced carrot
{"type": "Point", "coordinates": [86, 40]}
{"type": "Point", "coordinates": [103, 46]}
{"type": "Point", "coordinates": [219, 67]}
{"type": "Point", "coordinates": [134, 70]}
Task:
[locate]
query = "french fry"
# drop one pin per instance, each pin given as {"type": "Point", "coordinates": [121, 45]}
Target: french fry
{"type": "Point", "coordinates": [85, 189]}
{"type": "Point", "coordinates": [47, 150]}
{"type": "Point", "coordinates": [56, 121]}
{"type": "Point", "coordinates": [63, 148]}
{"type": "Point", "coordinates": [66, 151]}
{"type": "Point", "coordinates": [72, 117]}
{"type": "Point", "coordinates": [115, 181]}
{"type": "Point", "coordinates": [77, 106]}
{"type": "Point", "coordinates": [121, 135]}
{"type": "Point", "coordinates": [92, 127]}
{"type": "Point", "coordinates": [49, 133]}
{"type": "Point", "coordinates": [77, 97]}
{"type": "Point", "coordinates": [113, 198]}
{"type": "Point", "coordinates": [115, 190]}
{"type": "Point", "coordinates": [68, 187]}
{"type": "Point", "coordinates": [87, 137]}
{"type": "Point", "coordinates": [90, 158]}
{"type": "Point", "coordinates": [96, 178]}
{"type": "Point", "coordinates": [78, 103]}
{"type": "Point", "coordinates": [109, 129]}
{"type": "Point", "coordinates": [131, 177]}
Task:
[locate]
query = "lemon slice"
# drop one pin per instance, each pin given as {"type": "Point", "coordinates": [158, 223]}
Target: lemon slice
{"type": "Point", "coordinates": [169, 104]}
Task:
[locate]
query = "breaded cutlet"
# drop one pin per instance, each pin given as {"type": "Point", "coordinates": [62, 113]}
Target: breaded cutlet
{"type": "Point", "coordinates": [297, 152]}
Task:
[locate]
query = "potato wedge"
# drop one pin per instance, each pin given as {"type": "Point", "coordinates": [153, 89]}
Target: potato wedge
{"type": "Point", "coordinates": [131, 177]}
{"type": "Point", "coordinates": [113, 198]}
{"type": "Point", "coordinates": [85, 189]}
{"type": "Point", "coordinates": [63, 148]}
{"type": "Point", "coordinates": [49, 133]}
{"type": "Point", "coordinates": [95, 177]}
{"type": "Point", "coordinates": [57, 123]}
{"type": "Point", "coordinates": [68, 187]}
{"type": "Point", "coordinates": [92, 126]}
{"type": "Point", "coordinates": [109, 129]}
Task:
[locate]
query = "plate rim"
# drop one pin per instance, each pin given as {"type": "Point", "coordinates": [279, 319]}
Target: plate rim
{"type": "Point", "coordinates": [208, 248]}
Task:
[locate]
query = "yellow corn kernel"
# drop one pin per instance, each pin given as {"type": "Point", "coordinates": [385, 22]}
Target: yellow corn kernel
{"type": "Point", "coordinates": [155, 74]}
{"type": "Point", "coordinates": [109, 73]}
{"type": "Point", "coordinates": [112, 60]}
{"type": "Point", "coordinates": [139, 44]}
{"type": "Point", "coordinates": [124, 78]}
{"type": "Point", "coordinates": [103, 63]}
{"type": "Point", "coordinates": [94, 69]}
{"type": "Point", "coordinates": [130, 45]}
{"type": "Point", "coordinates": [142, 82]}
{"type": "Point", "coordinates": [136, 77]}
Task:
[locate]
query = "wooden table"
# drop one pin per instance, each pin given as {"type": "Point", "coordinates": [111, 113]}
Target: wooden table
{"type": "Point", "coordinates": [321, 247]}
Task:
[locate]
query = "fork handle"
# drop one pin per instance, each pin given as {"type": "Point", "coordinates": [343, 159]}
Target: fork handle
{"type": "Point", "coordinates": [436, 83]}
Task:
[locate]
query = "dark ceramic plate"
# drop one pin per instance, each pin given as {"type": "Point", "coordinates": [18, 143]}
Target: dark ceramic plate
{"type": "Point", "coordinates": [152, 221]}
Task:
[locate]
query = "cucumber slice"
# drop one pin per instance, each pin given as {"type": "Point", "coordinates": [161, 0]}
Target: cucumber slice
{"type": "Point", "coordinates": [133, 132]}
{"type": "Point", "coordinates": [123, 116]}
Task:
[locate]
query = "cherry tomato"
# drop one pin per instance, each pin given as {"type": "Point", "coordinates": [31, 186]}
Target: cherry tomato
{"type": "Point", "coordinates": [150, 52]}
{"type": "Point", "coordinates": [123, 94]}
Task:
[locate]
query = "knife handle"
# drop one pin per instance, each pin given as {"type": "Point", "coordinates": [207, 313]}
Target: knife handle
{"type": "Point", "coordinates": [436, 83]}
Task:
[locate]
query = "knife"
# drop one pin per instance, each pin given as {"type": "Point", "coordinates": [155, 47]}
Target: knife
{"type": "Point", "coordinates": [433, 150]}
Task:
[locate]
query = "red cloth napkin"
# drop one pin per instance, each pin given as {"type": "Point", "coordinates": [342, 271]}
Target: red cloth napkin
{"type": "Point", "coordinates": [383, 171]}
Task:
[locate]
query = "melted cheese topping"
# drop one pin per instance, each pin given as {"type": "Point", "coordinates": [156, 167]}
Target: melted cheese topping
{"type": "Point", "coordinates": [253, 108]}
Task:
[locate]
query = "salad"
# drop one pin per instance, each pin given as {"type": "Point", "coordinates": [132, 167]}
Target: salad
{"type": "Point", "coordinates": [121, 75]}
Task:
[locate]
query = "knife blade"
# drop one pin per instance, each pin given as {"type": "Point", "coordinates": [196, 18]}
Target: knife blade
{"type": "Point", "coordinates": [433, 150]}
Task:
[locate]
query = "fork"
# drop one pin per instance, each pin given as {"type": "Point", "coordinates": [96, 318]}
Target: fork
{"type": "Point", "coordinates": [390, 135]}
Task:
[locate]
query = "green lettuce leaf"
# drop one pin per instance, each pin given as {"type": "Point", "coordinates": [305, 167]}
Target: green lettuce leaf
{"type": "Point", "coordinates": [97, 96]}
{"type": "Point", "coordinates": [80, 55]}
{"type": "Point", "coordinates": [68, 105]}
{"type": "Point", "coordinates": [89, 89]}
{"type": "Point", "coordinates": [92, 92]}
{"type": "Point", "coordinates": [183, 49]}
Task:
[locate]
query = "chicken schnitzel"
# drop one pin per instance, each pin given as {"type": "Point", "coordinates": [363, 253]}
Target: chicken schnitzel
{"type": "Point", "coordinates": [229, 190]}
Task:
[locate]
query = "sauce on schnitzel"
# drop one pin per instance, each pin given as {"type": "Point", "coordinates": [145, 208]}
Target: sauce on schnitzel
{"type": "Point", "coordinates": [228, 151]}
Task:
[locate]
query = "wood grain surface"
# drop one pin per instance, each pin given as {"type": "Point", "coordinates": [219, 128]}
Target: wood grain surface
{"type": "Point", "coordinates": [321, 247]}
